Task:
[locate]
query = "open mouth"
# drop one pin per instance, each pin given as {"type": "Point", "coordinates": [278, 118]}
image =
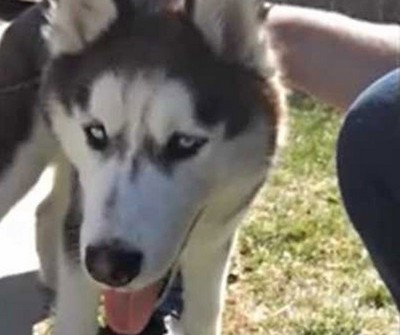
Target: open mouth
{"type": "Point", "coordinates": [130, 312]}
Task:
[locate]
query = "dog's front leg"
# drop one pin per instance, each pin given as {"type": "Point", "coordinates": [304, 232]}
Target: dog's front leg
{"type": "Point", "coordinates": [204, 272]}
{"type": "Point", "coordinates": [77, 302]}
{"type": "Point", "coordinates": [50, 216]}
{"type": "Point", "coordinates": [77, 297]}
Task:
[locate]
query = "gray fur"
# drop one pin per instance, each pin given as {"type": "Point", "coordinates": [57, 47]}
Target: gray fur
{"type": "Point", "coordinates": [22, 53]}
{"type": "Point", "coordinates": [73, 220]}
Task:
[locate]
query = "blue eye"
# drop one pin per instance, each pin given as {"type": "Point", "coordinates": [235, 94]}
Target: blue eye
{"type": "Point", "coordinates": [96, 136]}
{"type": "Point", "coordinates": [182, 146]}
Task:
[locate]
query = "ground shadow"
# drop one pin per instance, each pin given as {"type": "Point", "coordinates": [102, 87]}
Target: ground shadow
{"type": "Point", "coordinates": [22, 303]}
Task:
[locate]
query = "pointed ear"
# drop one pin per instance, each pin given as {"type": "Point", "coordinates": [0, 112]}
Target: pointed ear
{"type": "Point", "coordinates": [75, 23]}
{"type": "Point", "coordinates": [233, 28]}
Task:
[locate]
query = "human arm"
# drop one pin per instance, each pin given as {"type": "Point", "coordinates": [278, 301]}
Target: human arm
{"type": "Point", "coordinates": [329, 55]}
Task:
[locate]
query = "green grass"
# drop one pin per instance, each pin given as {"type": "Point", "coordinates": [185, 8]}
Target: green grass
{"type": "Point", "coordinates": [301, 268]}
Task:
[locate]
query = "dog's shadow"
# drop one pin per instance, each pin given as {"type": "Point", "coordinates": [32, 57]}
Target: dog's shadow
{"type": "Point", "coordinates": [22, 303]}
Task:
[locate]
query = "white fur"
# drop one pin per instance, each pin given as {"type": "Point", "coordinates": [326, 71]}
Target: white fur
{"type": "Point", "coordinates": [205, 274]}
{"type": "Point", "coordinates": [77, 302]}
{"type": "Point", "coordinates": [76, 23]}
{"type": "Point", "coordinates": [71, 131]}
{"type": "Point", "coordinates": [107, 103]}
{"type": "Point", "coordinates": [49, 221]}
{"type": "Point", "coordinates": [236, 19]}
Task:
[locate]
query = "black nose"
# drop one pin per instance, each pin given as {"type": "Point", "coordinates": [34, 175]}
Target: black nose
{"type": "Point", "coordinates": [113, 264]}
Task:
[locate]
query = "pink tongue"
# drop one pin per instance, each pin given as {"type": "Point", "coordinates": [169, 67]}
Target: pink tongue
{"type": "Point", "coordinates": [129, 313]}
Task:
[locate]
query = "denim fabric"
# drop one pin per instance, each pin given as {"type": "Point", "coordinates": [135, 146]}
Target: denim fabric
{"type": "Point", "coordinates": [368, 165]}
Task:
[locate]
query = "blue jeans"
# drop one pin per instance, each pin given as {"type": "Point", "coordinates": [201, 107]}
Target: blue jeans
{"type": "Point", "coordinates": [368, 165]}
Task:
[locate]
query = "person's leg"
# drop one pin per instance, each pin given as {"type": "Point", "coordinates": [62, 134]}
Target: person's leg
{"type": "Point", "coordinates": [368, 162]}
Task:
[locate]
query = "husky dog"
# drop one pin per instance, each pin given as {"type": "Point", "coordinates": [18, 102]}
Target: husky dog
{"type": "Point", "coordinates": [169, 118]}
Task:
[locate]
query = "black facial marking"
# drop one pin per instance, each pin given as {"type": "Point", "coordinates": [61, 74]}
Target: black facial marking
{"type": "Point", "coordinates": [181, 146]}
{"type": "Point", "coordinates": [190, 7]}
{"type": "Point", "coordinates": [134, 168]}
{"type": "Point", "coordinates": [120, 144]}
{"type": "Point", "coordinates": [264, 8]}
{"type": "Point", "coordinates": [178, 148]}
{"type": "Point", "coordinates": [98, 140]}
{"type": "Point", "coordinates": [96, 136]}
{"type": "Point", "coordinates": [110, 202]}
{"type": "Point", "coordinates": [86, 6]}
{"type": "Point", "coordinates": [151, 150]}
{"type": "Point", "coordinates": [82, 96]}
{"type": "Point", "coordinates": [229, 99]}
{"type": "Point", "coordinates": [73, 221]}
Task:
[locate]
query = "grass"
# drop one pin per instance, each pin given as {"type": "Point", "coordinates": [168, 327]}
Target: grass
{"type": "Point", "coordinates": [300, 268]}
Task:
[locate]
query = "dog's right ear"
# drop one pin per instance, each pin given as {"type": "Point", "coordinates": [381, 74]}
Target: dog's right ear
{"type": "Point", "coordinates": [75, 23]}
{"type": "Point", "coordinates": [232, 28]}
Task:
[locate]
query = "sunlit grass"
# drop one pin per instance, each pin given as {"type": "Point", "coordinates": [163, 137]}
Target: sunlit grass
{"type": "Point", "coordinates": [301, 269]}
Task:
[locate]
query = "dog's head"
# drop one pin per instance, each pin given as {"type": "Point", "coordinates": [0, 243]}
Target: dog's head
{"type": "Point", "coordinates": [170, 118]}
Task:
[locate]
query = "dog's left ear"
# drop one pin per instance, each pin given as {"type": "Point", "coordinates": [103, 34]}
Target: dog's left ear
{"type": "Point", "coordinates": [75, 23]}
{"type": "Point", "coordinates": [233, 29]}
